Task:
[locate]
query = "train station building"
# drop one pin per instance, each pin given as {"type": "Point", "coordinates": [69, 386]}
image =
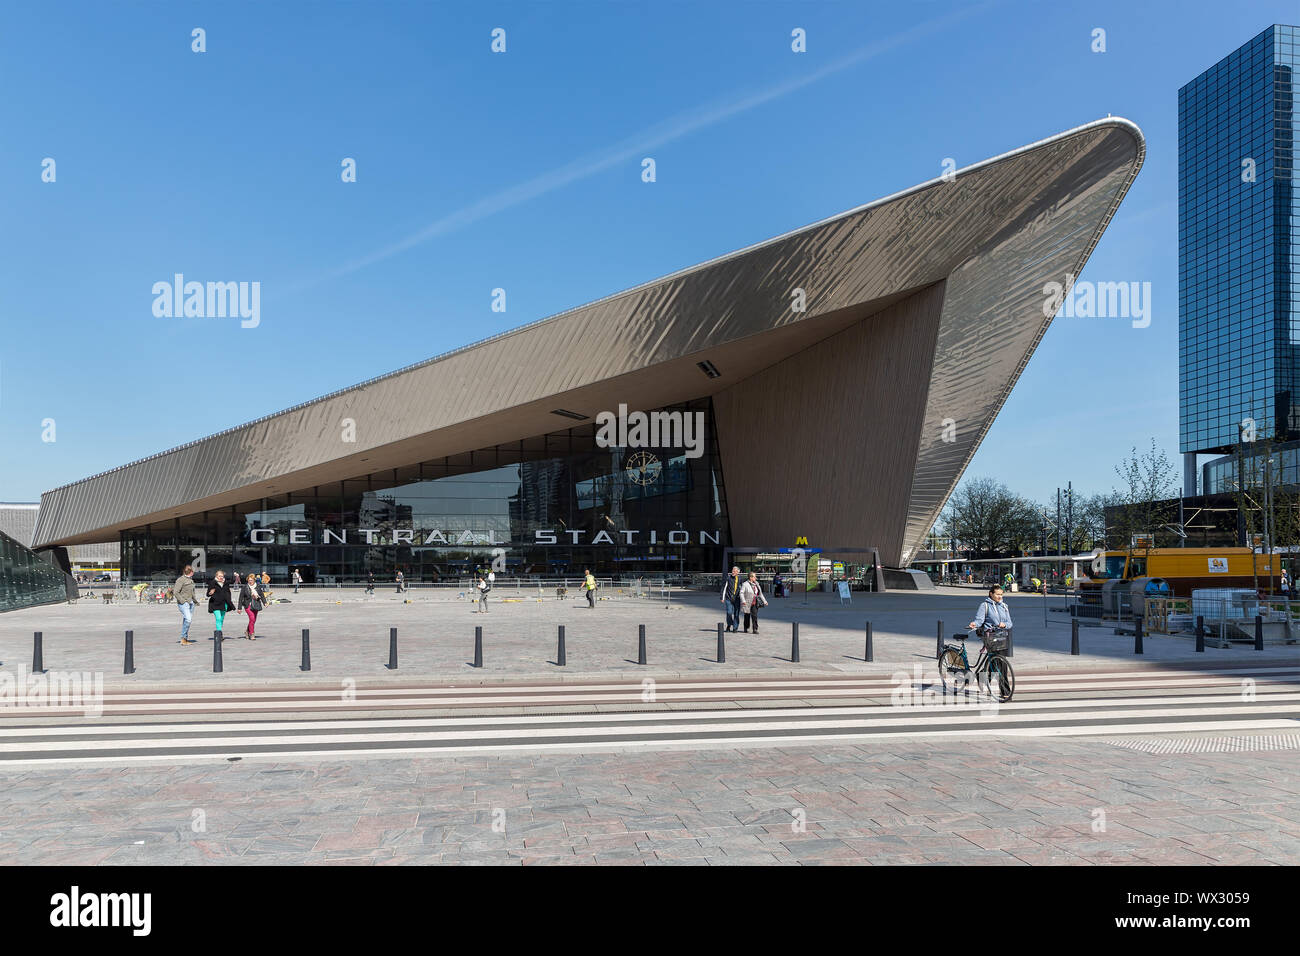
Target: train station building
{"type": "Point", "coordinates": [826, 387]}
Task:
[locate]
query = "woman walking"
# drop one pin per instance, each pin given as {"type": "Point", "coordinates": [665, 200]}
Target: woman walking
{"type": "Point", "coordinates": [751, 599]}
{"type": "Point", "coordinates": [219, 600]}
{"type": "Point", "coordinates": [251, 603]}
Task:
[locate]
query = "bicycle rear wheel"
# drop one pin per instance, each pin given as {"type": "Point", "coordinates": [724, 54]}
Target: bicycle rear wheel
{"type": "Point", "coordinates": [1002, 679]}
{"type": "Point", "coordinates": [951, 669]}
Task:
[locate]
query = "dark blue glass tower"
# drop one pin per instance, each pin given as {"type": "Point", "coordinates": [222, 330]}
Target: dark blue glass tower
{"type": "Point", "coordinates": [1239, 247]}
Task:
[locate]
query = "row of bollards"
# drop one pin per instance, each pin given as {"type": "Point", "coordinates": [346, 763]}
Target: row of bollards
{"type": "Point", "coordinates": [561, 657]}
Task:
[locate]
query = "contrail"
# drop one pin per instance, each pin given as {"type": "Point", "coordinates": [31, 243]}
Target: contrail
{"type": "Point", "coordinates": [635, 147]}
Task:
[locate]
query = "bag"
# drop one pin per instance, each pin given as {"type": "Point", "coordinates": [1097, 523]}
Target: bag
{"type": "Point", "coordinates": [760, 599]}
{"type": "Point", "coordinates": [996, 640]}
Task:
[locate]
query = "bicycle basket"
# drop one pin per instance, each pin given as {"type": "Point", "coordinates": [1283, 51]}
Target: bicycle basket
{"type": "Point", "coordinates": [996, 641]}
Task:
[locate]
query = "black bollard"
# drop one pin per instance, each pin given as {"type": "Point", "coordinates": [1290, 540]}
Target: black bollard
{"type": "Point", "coordinates": [128, 664]}
{"type": "Point", "coordinates": [1259, 633]}
{"type": "Point", "coordinates": [392, 648]}
{"type": "Point", "coordinates": [1137, 635]}
{"type": "Point", "coordinates": [1074, 636]}
{"type": "Point", "coordinates": [640, 649]}
{"type": "Point", "coordinates": [722, 646]}
{"type": "Point", "coordinates": [38, 657]}
{"type": "Point", "coordinates": [1011, 643]}
{"type": "Point", "coordinates": [938, 646]}
{"type": "Point", "coordinates": [560, 658]}
{"type": "Point", "coordinates": [869, 654]}
{"type": "Point", "coordinates": [1200, 633]}
{"type": "Point", "coordinates": [216, 652]}
{"type": "Point", "coordinates": [478, 646]}
{"type": "Point", "coordinates": [794, 642]}
{"type": "Point", "coordinates": [306, 650]}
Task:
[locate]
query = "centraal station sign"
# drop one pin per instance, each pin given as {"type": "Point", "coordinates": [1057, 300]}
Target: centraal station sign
{"type": "Point", "coordinates": [410, 537]}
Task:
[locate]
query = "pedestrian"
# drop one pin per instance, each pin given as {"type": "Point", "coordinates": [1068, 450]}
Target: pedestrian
{"type": "Point", "coordinates": [297, 580]}
{"type": "Point", "coordinates": [778, 585]}
{"type": "Point", "coordinates": [993, 612]}
{"type": "Point", "coordinates": [370, 582]}
{"type": "Point", "coordinates": [251, 603]}
{"type": "Point", "coordinates": [399, 582]}
{"type": "Point", "coordinates": [219, 599]}
{"type": "Point", "coordinates": [1286, 583]}
{"type": "Point", "coordinates": [731, 598]}
{"type": "Point", "coordinates": [184, 591]}
{"type": "Point", "coordinates": [751, 599]}
{"type": "Point", "coordinates": [482, 586]}
{"type": "Point", "coordinates": [589, 585]}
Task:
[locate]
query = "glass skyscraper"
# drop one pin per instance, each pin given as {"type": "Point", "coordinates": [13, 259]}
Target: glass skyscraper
{"type": "Point", "coordinates": [1239, 249]}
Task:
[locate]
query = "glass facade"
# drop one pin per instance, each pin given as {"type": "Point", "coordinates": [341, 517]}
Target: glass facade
{"type": "Point", "coordinates": [548, 506]}
{"type": "Point", "coordinates": [1283, 469]}
{"type": "Point", "coordinates": [25, 579]}
{"type": "Point", "coordinates": [1239, 247]}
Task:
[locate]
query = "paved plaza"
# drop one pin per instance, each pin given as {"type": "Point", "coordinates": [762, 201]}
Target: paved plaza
{"type": "Point", "coordinates": [980, 801]}
{"type": "Point", "coordinates": [350, 637]}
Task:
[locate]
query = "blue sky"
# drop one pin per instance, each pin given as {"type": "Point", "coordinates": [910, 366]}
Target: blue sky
{"type": "Point", "coordinates": [522, 170]}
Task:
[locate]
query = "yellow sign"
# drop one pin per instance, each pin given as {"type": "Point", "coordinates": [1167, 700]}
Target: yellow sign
{"type": "Point", "coordinates": [801, 541]}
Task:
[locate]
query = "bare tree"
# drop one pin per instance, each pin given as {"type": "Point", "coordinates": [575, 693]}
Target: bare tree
{"type": "Point", "coordinates": [1141, 500]}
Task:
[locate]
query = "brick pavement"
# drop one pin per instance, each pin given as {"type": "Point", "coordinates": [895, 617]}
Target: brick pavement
{"type": "Point", "coordinates": [978, 801]}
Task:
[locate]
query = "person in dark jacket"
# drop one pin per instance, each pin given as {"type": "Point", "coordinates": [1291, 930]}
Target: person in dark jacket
{"type": "Point", "coordinates": [219, 599]}
{"type": "Point", "coordinates": [731, 598]}
{"type": "Point", "coordinates": [251, 603]}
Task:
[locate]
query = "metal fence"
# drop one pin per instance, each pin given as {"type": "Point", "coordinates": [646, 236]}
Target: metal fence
{"type": "Point", "coordinates": [1241, 618]}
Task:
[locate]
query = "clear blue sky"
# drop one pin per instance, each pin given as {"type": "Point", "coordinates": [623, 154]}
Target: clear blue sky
{"type": "Point", "coordinates": [522, 171]}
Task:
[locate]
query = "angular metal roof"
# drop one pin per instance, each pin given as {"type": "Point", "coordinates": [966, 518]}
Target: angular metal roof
{"type": "Point", "coordinates": [994, 233]}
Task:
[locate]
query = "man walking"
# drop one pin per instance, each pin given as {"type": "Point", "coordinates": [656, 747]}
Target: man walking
{"type": "Point", "coordinates": [399, 582]}
{"type": "Point", "coordinates": [297, 580]}
{"type": "Point", "coordinates": [370, 582]}
{"type": "Point", "coordinates": [184, 591]}
{"type": "Point", "coordinates": [731, 598]}
{"type": "Point", "coordinates": [589, 585]}
{"type": "Point", "coordinates": [481, 585]}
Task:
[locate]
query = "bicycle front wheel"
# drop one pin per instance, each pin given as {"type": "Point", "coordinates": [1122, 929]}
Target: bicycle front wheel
{"type": "Point", "coordinates": [1002, 679]}
{"type": "Point", "coordinates": [951, 669]}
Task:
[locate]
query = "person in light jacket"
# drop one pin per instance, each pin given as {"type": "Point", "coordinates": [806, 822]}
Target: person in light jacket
{"type": "Point", "coordinates": [993, 612]}
{"type": "Point", "coordinates": [751, 599]}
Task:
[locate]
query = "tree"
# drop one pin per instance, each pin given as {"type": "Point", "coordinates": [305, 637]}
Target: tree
{"type": "Point", "coordinates": [987, 518]}
{"type": "Point", "coordinates": [1141, 500]}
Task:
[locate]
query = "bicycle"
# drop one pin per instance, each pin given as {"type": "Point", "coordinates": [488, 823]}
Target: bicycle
{"type": "Point", "coordinates": [991, 669]}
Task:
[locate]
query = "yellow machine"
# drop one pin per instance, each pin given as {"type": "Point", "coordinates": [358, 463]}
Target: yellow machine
{"type": "Point", "coordinates": [1186, 568]}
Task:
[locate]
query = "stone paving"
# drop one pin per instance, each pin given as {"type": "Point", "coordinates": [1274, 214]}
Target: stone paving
{"type": "Point", "coordinates": [978, 801]}
{"type": "Point", "coordinates": [349, 635]}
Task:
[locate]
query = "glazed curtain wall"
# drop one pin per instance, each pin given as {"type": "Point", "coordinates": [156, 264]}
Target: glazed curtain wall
{"type": "Point", "coordinates": [25, 579]}
{"type": "Point", "coordinates": [445, 518]}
